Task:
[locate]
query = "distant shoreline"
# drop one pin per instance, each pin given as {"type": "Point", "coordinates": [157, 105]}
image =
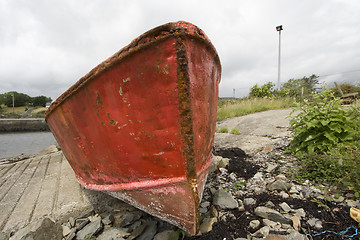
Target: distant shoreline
{"type": "Point", "coordinates": [8, 125]}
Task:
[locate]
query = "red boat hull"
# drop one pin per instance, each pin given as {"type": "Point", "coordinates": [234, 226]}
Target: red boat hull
{"type": "Point", "coordinates": [141, 125]}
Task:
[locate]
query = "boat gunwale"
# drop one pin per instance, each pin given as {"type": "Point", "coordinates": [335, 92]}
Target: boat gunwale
{"type": "Point", "coordinates": [151, 37]}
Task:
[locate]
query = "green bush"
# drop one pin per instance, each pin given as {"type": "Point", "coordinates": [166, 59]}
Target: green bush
{"type": "Point", "coordinates": [266, 90]}
{"type": "Point", "coordinates": [322, 124]}
{"type": "Point", "coordinates": [327, 142]}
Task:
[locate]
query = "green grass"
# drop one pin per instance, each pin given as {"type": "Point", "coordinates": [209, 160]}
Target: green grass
{"type": "Point", "coordinates": [37, 111]}
{"type": "Point", "coordinates": [9, 110]}
{"type": "Point", "coordinates": [224, 130]}
{"type": "Point", "coordinates": [240, 107]}
{"type": "Point", "coordinates": [235, 131]}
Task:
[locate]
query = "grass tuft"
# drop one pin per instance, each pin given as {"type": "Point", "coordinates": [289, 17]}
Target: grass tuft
{"type": "Point", "coordinates": [240, 107]}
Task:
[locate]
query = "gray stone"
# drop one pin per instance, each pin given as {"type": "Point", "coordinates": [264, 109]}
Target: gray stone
{"type": "Point", "coordinates": [149, 232]}
{"type": "Point", "coordinates": [351, 203]}
{"type": "Point", "coordinates": [213, 212]}
{"type": "Point", "coordinates": [269, 204]}
{"type": "Point", "coordinates": [206, 226]}
{"type": "Point", "coordinates": [72, 235]}
{"type": "Point", "coordinates": [87, 213]}
{"type": "Point", "coordinates": [41, 230]}
{"type": "Point", "coordinates": [215, 163]}
{"type": "Point", "coordinates": [262, 232]}
{"type": "Point", "coordinates": [166, 235]}
{"type": "Point", "coordinates": [82, 224]}
{"type": "Point", "coordinates": [271, 224]}
{"type": "Point", "coordinates": [203, 210]}
{"type": "Point", "coordinates": [275, 237]}
{"type": "Point", "coordinates": [272, 215]}
{"type": "Point", "coordinates": [205, 204]}
{"type": "Point", "coordinates": [91, 229]}
{"type": "Point", "coordinates": [71, 222]}
{"type": "Point", "coordinates": [339, 200]}
{"type": "Point", "coordinates": [271, 167]}
{"type": "Point", "coordinates": [296, 236]}
{"type": "Point", "coordinates": [293, 190]}
{"type": "Point", "coordinates": [138, 230]}
{"type": "Point", "coordinates": [258, 176]}
{"type": "Point", "coordinates": [65, 231]}
{"type": "Point", "coordinates": [113, 233]}
{"type": "Point", "coordinates": [135, 225]}
{"type": "Point", "coordinates": [284, 206]}
{"type": "Point", "coordinates": [254, 224]}
{"type": "Point", "coordinates": [284, 195]}
{"type": "Point", "coordinates": [124, 219]}
{"type": "Point", "coordinates": [223, 162]}
{"type": "Point", "coordinates": [300, 212]}
{"type": "Point", "coordinates": [279, 185]}
{"type": "Point", "coordinates": [224, 200]}
{"type": "Point", "coordinates": [249, 201]}
{"type": "Point", "coordinates": [108, 219]}
{"type": "Point", "coordinates": [315, 222]}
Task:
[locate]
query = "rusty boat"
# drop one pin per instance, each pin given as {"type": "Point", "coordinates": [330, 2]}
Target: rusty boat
{"type": "Point", "coordinates": [140, 126]}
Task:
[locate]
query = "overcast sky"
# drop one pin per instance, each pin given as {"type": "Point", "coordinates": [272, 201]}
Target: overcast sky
{"type": "Point", "coordinates": [47, 45]}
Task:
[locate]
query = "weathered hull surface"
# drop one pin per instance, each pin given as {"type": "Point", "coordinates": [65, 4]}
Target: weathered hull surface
{"type": "Point", "coordinates": [140, 126]}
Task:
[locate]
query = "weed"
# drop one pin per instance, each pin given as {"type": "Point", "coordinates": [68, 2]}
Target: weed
{"type": "Point", "coordinates": [224, 130]}
{"type": "Point", "coordinates": [235, 131]}
{"type": "Point", "coordinates": [239, 185]}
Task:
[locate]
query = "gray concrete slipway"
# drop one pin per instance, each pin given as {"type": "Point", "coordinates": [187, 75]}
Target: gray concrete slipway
{"type": "Point", "coordinates": [45, 185]}
{"type": "Point", "coordinates": [39, 186]}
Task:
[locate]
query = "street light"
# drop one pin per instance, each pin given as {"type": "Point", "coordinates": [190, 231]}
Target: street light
{"type": "Point", "coordinates": [13, 100]}
{"type": "Point", "coordinates": [279, 29]}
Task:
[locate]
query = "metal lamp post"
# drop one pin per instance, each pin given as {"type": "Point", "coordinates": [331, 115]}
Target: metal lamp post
{"type": "Point", "coordinates": [279, 29]}
{"type": "Point", "coordinates": [13, 102]}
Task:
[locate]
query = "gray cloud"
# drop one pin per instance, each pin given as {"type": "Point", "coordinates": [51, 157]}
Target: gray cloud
{"type": "Point", "coordinates": [47, 45]}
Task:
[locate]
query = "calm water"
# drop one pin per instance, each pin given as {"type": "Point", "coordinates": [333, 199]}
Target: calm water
{"type": "Point", "coordinates": [27, 143]}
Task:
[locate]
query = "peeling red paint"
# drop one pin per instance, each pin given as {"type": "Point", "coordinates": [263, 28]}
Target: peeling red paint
{"type": "Point", "coordinates": [141, 125]}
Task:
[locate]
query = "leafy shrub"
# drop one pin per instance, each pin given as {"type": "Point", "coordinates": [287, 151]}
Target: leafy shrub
{"type": "Point", "coordinates": [321, 124]}
{"type": "Point", "coordinates": [266, 90]}
{"type": "Point", "coordinates": [327, 142]}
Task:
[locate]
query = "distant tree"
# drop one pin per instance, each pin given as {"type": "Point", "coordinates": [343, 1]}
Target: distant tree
{"type": "Point", "coordinates": [40, 101]}
{"type": "Point", "coordinates": [266, 90]}
{"type": "Point", "coordinates": [20, 99]}
{"type": "Point", "coordinates": [305, 85]}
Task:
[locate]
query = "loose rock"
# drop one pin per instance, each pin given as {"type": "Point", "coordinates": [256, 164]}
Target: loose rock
{"type": "Point", "coordinates": [224, 200]}
{"type": "Point", "coordinates": [206, 226]}
{"type": "Point", "coordinates": [92, 229]}
{"type": "Point", "coordinates": [272, 215]}
{"type": "Point", "coordinates": [279, 185]}
{"type": "Point", "coordinates": [113, 233]}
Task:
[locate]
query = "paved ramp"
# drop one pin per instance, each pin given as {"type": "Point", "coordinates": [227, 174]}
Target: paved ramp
{"type": "Point", "coordinates": [36, 187]}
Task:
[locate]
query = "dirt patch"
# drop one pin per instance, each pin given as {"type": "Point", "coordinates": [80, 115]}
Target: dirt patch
{"type": "Point", "coordinates": [238, 163]}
